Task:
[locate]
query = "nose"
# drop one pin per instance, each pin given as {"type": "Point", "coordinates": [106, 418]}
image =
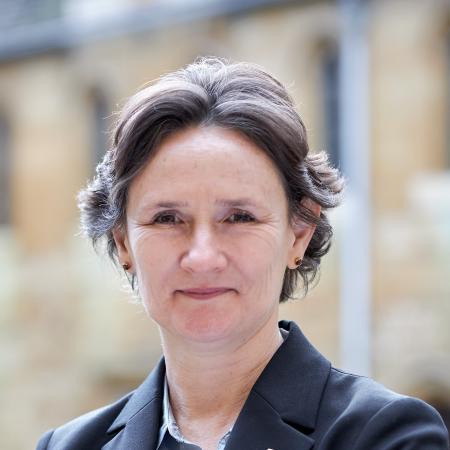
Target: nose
{"type": "Point", "coordinates": [204, 253]}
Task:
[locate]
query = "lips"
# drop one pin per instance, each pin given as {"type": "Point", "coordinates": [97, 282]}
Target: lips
{"type": "Point", "coordinates": [204, 293]}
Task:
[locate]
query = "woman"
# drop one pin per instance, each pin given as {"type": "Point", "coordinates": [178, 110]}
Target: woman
{"type": "Point", "coordinates": [212, 204]}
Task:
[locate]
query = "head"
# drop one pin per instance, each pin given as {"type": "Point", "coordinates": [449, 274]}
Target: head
{"type": "Point", "coordinates": [240, 99]}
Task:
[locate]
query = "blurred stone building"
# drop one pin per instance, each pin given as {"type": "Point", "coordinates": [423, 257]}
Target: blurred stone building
{"type": "Point", "coordinates": [69, 338]}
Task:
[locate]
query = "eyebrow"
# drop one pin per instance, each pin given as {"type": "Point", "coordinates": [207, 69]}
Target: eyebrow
{"type": "Point", "coordinates": [238, 202]}
{"type": "Point", "coordinates": [170, 204]}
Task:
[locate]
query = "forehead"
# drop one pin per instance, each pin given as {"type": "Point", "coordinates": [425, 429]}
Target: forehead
{"type": "Point", "coordinates": [210, 158]}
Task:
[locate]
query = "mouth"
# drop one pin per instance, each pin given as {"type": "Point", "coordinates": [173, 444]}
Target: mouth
{"type": "Point", "coordinates": [204, 293]}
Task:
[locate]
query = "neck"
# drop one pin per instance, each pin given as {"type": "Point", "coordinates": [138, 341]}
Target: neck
{"type": "Point", "coordinates": [210, 387]}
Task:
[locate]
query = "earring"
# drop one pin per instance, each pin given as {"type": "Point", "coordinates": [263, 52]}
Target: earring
{"type": "Point", "coordinates": [298, 261]}
{"type": "Point", "coordinates": [125, 266]}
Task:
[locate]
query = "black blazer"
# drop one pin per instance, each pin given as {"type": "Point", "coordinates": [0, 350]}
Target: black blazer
{"type": "Point", "coordinates": [299, 402]}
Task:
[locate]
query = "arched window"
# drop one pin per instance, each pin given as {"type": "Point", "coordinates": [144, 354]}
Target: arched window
{"type": "Point", "coordinates": [100, 113]}
{"type": "Point", "coordinates": [5, 172]}
{"type": "Point", "coordinates": [329, 80]}
{"type": "Point", "coordinates": [447, 158]}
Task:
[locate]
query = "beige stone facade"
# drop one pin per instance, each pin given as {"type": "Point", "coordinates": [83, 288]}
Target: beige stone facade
{"type": "Point", "coordinates": [69, 338]}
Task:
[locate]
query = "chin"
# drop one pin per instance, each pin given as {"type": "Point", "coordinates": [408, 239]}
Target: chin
{"type": "Point", "coordinates": [208, 328]}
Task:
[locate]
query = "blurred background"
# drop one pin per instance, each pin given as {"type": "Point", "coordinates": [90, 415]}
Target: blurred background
{"type": "Point", "coordinates": [372, 82]}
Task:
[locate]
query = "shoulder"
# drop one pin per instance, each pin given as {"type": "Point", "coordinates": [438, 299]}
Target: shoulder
{"type": "Point", "coordinates": [372, 416]}
{"type": "Point", "coordinates": [86, 431]}
{"type": "Point", "coordinates": [342, 411]}
{"type": "Point", "coordinates": [97, 428]}
{"type": "Point", "coordinates": [352, 392]}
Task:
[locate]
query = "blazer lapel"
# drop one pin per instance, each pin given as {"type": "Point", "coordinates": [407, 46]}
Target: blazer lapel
{"type": "Point", "coordinates": [137, 426]}
{"type": "Point", "coordinates": [260, 427]}
{"type": "Point", "coordinates": [281, 410]}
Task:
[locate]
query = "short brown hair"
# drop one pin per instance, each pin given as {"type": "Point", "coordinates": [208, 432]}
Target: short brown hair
{"type": "Point", "coordinates": [212, 92]}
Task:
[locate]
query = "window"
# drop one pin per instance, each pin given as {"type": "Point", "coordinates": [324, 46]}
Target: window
{"type": "Point", "coordinates": [447, 156]}
{"type": "Point", "coordinates": [16, 13]}
{"type": "Point", "coordinates": [331, 101]}
{"type": "Point", "coordinates": [100, 125]}
{"type": "Point", "coordinates": [5, 173]}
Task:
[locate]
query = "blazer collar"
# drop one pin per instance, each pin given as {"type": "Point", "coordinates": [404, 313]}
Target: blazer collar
{"type": "Point", "coordinates": [280, 412]}
{"type": "Point", "coordinates": [294, 379]}
{"type": "Point", "coordinates": [137, 425]}
{"type": "Point", "coordinates": [282, 408]}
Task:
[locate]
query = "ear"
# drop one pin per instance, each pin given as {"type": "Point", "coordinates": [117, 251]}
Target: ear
{"type": "Point", "coordinates": [303, 233]}
{"type": "Point", "coordinates": [123, 246]}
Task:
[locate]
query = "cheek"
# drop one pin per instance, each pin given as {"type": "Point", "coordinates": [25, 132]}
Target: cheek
{"type": "Point", "coordinates": [154, 261]}
{"type": "Point", "coordinates": [264, 258]}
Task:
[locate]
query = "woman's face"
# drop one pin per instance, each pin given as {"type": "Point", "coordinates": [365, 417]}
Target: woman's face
{"type": "Point", "coordinates": [208, 236]}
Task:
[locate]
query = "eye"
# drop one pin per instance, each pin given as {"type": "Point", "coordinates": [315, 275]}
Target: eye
{"type": "Point", "coordinates": [166, 218]}
{"type": "Point", "coordinates": [240, 217]}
